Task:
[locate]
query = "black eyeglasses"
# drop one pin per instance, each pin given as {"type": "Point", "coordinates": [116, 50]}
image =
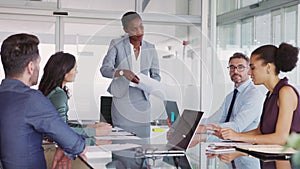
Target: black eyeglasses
{"type": "Point", "coordinates": [239, 68]}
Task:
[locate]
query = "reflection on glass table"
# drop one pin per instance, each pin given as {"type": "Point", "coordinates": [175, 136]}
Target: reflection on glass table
{"type": "Point", "coordinates": [196, 157]}
{"type": "Point", "coordinates": [134, 160]}
{"type": "Point", "coordinates": [241, 160]}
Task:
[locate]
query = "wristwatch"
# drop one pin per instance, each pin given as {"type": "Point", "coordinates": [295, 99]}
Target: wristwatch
{"type": "Point", "coordinates": [121, 72]}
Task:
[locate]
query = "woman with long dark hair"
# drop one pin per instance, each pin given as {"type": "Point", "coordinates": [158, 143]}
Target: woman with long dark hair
{"type": "Point", "coordinates": [60, 69]}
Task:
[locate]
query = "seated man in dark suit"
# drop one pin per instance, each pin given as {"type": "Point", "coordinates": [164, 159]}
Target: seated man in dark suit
{"type": "Point", "coordinates": [26, 114]}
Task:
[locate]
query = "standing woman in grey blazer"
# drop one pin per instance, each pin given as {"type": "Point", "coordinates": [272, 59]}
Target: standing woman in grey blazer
{"type": "Point", "coordinates": [126, 57]}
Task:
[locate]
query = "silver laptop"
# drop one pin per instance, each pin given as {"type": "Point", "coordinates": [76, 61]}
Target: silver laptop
{"type": "Point", "coordinates": [180, 138]}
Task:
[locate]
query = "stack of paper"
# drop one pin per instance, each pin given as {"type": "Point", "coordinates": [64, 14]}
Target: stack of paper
{"type": "Point", "coordinates": [229, 143]}
{"type": "Point", "coordinates": [97, 152]}
{"type": "Point", "coordinates": [219, 149]}
{"type": "Point", "coordinates": [223, 147]}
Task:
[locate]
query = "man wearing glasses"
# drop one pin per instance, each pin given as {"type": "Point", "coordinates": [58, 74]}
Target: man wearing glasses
{"type": "Point", "coordinates": [241, 109]}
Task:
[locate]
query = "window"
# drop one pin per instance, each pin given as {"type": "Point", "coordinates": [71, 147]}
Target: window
{"type": "Point", "coordinates": [290, 31]}
{"type": "Point", "coordinates": [42, 27]}
{"type": "Point", "coordinates": [276, 27]}
{"type": "Point", "coordinates": [263, 29]}
{"type": "Point", "coordinates": [248, 2]}
{"type": "Point", "coordinates": [224, 6]}
{"type": "Point", "coordinates": [247, 33]}
{"type": "Point", "coordinates": [227, 36]}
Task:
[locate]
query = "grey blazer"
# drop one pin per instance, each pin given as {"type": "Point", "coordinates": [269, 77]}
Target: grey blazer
{"type": "Point", "coordinates": [119, 57]}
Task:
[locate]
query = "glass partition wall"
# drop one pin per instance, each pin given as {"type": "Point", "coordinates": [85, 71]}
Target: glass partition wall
{"type": "Point", "coordinates": [194, 72]}
{"type": "Point", "coordinates": [43, 27]}
{"type": "Point", "coordinates": [178, 63]}
{"type": "Point", "coordinates": [85, 28]}
{"type": "Point", "coordinates": [258, 23]}
{"type": "Point", "coordinates": [167, 25]}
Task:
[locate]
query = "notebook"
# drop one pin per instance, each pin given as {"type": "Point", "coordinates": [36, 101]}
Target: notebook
{"type": "Point", "coordinates": [172, 110]}
{"type": "Point", "coordinates": [180, 138]}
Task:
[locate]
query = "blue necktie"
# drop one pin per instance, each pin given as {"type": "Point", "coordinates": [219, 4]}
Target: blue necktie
{"type": "Point", "coordinates": [231, 105]}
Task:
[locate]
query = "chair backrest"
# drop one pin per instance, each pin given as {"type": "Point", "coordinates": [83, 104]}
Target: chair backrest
{"type": "Point", "coordinates": [105, 109]}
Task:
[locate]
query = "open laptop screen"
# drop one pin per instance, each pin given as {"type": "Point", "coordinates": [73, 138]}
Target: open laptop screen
{"type": "Point", "coordinates": [185, 129]}
{"type": "Point", "coordinates": [172, 110]}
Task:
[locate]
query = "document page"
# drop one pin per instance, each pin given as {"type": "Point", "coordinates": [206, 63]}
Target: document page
{"type": "Point", "coordinates": [117, 137]}
{"type": "Point", "coordinates": [120, 133]}
{"type": "Point", "coordinates": [223, 147]}
{"type": "Point", "coordinates": [151, 86]}
{"type": "Point", "coordinates": [97, 152]}
{"type": "Point", "coordinates": [220, 150]}
{"type": "Point", "coordinates": [229, 143]}
{"type": "Point", "coordinates": [105, 151]}
{"type": "Point", "coordinates": [117, 147]}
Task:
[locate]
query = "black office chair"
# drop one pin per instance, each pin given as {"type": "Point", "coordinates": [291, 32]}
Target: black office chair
{"type": "Point", "coordinates": [105, 109]}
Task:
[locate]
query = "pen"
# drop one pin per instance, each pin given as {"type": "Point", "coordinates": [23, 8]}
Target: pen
{"type": "Point", "coordinates": [132, 134]}
{"type": "Point", "coordinates": [115, 130]}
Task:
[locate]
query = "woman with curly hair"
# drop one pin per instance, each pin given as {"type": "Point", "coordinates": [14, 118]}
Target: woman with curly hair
{"type": "Point", "coordinates": [281, 110]}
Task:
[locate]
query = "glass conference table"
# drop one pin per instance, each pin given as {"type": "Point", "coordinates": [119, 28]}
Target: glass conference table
{"type": "Point", "coordinates": [196, 158]}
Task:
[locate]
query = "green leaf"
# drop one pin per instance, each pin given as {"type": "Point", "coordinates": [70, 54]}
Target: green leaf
{"type": "Point", "coordinates": [293, 141]}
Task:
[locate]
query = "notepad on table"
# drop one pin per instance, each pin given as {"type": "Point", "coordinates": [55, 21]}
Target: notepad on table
{"type": "Point", "coordinates": [223, 147]}
{"type": "Point", "coordinates": [220, 149]}
{"type": "Point", "coordinates": [97, 152]}
{"type": "Point", "coordinates": [106, 150]}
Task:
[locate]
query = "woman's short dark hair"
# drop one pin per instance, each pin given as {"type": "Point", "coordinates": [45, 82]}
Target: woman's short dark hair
{"type": "Point", "coordinates": [128, 17]}
{"type": "Point", "coordinates": [17, 51]}
{"type": "Point", "coordinates": [284, 57]}
{"type": "Point", "coordinates": [55, 70]}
